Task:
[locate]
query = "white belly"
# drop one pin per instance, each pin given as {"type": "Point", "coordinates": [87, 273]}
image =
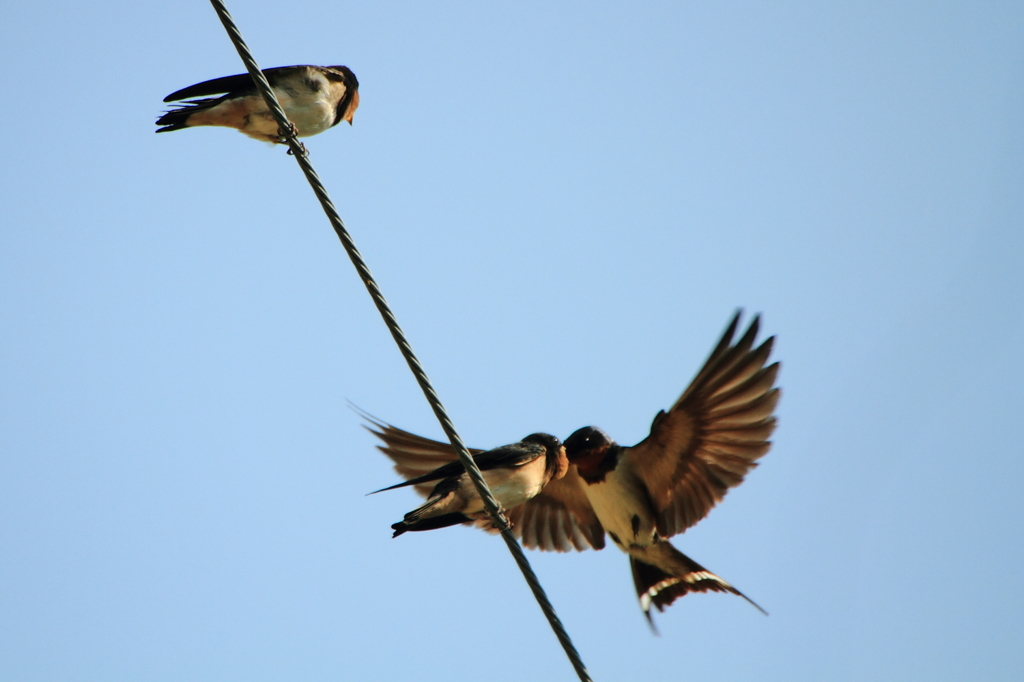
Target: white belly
{"type": "Point", "coordinates": [622, 508]}
{"type": "Point", "coordinates": [510, 487]}
{"type": "Point", "coordinates": [310, 114]}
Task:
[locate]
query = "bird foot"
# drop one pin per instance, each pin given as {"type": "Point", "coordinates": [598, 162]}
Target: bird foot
{"type": "Point", "coordinates": [284, 135]}
{"type": "Point", "coordinates": [495, 527]}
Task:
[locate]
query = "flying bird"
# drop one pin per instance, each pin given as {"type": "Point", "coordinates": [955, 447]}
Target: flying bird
{"type": "Point", "coordinates": [642, 495]}
{"type": "Point", "coordinates": [514, 473]}
{"type": "Point", "coordinates": [704, 445]}
{"type": "Point", "coordinates": [315, 98]}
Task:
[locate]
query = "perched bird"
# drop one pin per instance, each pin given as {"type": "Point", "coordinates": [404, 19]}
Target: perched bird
{"type": "Point", "coordinates": [558, 518]}
{"type": "Point", "coordinates": [514, 473]}
{"type": "Point", "coordinates": [315, 98]}
{"type": "Point", "coordinates": [642, 495]}
{"type": "Point", "coordinates": [704, 445]}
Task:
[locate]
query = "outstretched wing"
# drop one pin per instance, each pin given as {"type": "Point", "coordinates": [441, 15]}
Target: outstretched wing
{"type": "Point", "coordinates": [413, 455]}
{"type": "Point", "coordinates": [559, 519]}
{"type": "Point", "coordinates": [713, 435]}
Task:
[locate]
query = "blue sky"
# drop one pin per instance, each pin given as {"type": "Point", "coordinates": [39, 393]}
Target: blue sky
{"type": "Point", "coordinates": [564, 205]}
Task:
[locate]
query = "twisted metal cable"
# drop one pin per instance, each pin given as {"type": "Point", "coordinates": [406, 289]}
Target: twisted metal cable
{"type": "Point", "coordinates": [298, 150]}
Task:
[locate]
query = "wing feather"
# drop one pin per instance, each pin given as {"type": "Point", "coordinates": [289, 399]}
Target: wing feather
{"type": "Point", "coordinates": [563, 503]}
{"type": "Point", "coordinates": [413, 455]}
{"type": "Point", "coordinates": [749, 392]}
{"type": "Point", "coordinates": [229, 85]}
{"type": "Point", "coordinates": [713, 435]}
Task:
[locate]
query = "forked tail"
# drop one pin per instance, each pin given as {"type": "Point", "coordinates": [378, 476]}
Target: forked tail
{"type": "Point", "coordinates": [675, 575]}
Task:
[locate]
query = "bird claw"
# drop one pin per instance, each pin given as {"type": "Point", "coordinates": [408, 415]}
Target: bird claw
{"type": "Point", "coordinates": [283, 134]}
{"type": "Point", "coordinates": [283, 137]}
{"type": "Point", "coordinates": [485, 522]}
{"type": "Point", "coordinates": [495, 526]}
{"type": "Point", "coordinates": [302, 150]}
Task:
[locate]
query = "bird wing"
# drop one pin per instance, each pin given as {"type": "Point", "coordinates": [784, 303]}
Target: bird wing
{"type": "Point", "coordinates": [413, 455]}
{"type": "Point", "coordinates": [504, 457]}
{"type": "Point", "coordinates": [558, 519]}
{"type": "Point", "coordinates": [227, 84]}
{"type": "Point", "coordinates": [713, 435]}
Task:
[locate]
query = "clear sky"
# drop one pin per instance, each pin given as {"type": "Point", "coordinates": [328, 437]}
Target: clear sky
{"type": "Point", "coordinates": [564, 203]}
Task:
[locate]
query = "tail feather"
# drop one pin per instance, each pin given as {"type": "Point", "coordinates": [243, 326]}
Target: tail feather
{"type": "Point", "coordinates": [674, 576]}
{"type": "Point", "coordinates": [176, 119]}
{"type": "Point", "coordinates": [430, 523]}
{"type": "Point", "coordinates": [436, 512]}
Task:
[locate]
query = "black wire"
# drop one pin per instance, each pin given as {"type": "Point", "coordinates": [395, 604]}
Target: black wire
{"type": "Point", "coordinates": [298, 150]}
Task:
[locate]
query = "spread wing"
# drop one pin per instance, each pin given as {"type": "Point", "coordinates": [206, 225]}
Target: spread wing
{"type": "Point", "coordinates": [559, 519]}
{"type": "Point", "coordinates": [227, 84]}
{"type": "Point", "coordinates": [413, 455]}
{"type": "Point", "coordinates": [713, 435]}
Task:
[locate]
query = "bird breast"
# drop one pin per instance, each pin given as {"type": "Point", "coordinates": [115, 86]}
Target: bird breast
{"type": "Point", "coordinates": [510, 486]}
{"type": "Point", "coordinates": [311, 104]}
{"type": "Point", "coordinates": [621, 505]}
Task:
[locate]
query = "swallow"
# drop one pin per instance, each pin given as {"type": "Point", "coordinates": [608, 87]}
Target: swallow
{"type": "Point", "coordinates": [514, 473]}
{"type": "Point", "coordinates": [315, 98]}
{"type": "Point", "coordinates": [642, 495]}
{"type": "Point", "coordinates": [696, 451]}
{"type": "Point", "coordinates": [558, 518]}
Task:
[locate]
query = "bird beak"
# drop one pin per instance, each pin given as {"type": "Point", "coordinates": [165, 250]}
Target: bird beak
{"type": "Point", "coordinates": [350, 114]}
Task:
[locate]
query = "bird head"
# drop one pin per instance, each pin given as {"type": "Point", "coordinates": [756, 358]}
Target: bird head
{"type": "Point", "coordinates": [586, 443]}
{"type": "Point", "coordinates": [557, 462]}
{"type": "Point", "coordinates": [546, 439]}
{"type": "Point", "coordinates": [352, 83]}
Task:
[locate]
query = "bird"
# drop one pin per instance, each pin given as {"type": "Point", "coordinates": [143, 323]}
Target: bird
{"type": "Point", "coordinates": [696, 451]}
{"type": "Point", "coordinates": [558, 518]}
{"type": "Point", "coordinates": [314, 98]}
{"type": "Point", "coordinates": [642, 495]}
{"type": "Point", "coordinates": [514, 473]}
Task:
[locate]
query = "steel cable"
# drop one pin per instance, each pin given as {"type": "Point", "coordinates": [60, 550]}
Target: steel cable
{"type": "Point", "coordinates": [298, 150]}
